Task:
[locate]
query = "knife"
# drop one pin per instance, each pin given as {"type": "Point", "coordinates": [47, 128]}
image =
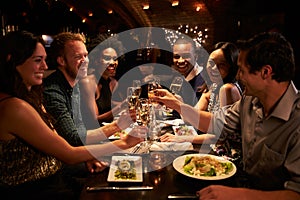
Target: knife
{"type": "Point", "coordinates": [119, 188]}
{"type": "Point", "coordinates": [183, 196]}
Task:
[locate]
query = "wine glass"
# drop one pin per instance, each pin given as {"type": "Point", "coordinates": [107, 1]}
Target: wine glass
{"type": "Point", "coordinates": [175, 88]}
{"type": "Point", "coordinates": [176, 85]}
{"type": "Point", "coordinates": [151, 87]}
{"type": "Point", "coordinates": [138, 86]}
{"type": "Point", "coordinates": [132, 99]}
{"type": "Point", "coordinates": [143, 111]}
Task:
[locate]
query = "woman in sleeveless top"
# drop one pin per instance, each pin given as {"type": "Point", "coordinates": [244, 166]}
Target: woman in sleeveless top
{"type": "Point", "coordinates": [104, 60]}
{"type": "Point", "coordinates": [32, 152]}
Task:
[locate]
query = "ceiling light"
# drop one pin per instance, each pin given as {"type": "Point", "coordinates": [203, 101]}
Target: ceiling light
{"type": "Point", "coordinates": [146, 6]}
{"type": "Point", "coordinates": [175, 3]}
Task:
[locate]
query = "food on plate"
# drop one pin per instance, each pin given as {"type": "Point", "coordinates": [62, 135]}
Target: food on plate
{"type": "Point", "coordinates": [120, 134]}
{"type": "Point", "coordinates": [126, 170]}
{"type": "Point", "coordinates": [184, 130]}
{"type": "Point", "coordinates": [206, 166]}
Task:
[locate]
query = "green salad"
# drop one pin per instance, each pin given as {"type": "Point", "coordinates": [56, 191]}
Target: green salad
{"type": "Point", "coordinates": [206, 166]}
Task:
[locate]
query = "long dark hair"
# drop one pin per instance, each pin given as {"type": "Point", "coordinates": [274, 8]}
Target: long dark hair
{"type": "Point", "coordinates": [231, 53]}
{"type": "Point", "coordinates": [16, 47]}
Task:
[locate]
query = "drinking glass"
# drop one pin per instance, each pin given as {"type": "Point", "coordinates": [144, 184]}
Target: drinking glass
{"type": "Point", "coordinates": [152, 86]}
{"type": "Point", "coordinates": [143, 111]}
{"type": "Point", "coordinates": [132, 99]}
{"type": "Point", "coordinates": [157, 160]}
{"type": "Point", "coordinates": [138, 86]}
{"type": "Point", "coordinates": [176, 85]}
{"type": "Point", "coordinates": [175, 88]}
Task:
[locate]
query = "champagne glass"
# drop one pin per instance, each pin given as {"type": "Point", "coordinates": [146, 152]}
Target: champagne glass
{"type": "Point", "coordinates": [176, 85]}
{"type": "Point", "coordinates": [152, 86]}
{"type": "Point", "coordinates": [175, 88]}
{"type": "Point", "coordinates": [132, 99]}
{"type": "Point", "coordinates": [143, 111]}
{"type": "Point", "coordinates": [138, 86]}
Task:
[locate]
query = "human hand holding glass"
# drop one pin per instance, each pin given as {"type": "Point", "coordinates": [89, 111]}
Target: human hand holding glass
{"type": "Point", "coordinates": [175, 88]}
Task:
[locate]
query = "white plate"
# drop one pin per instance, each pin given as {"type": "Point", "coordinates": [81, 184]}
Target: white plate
{"type": "Point", "coordinates": [116, 136]}
{"type": "Point", "coordinates": [137, 160]}
{"type": "Point", "coordinates": [184, 130]}
{"type": "Point", "coordinates": [179, 162]}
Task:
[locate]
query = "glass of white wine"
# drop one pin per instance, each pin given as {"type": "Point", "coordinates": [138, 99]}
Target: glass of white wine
{"type": "Point", "coordinates": [138, 86]}
{"type": "Point", "coordinates": [152, 86]}
{"type": "Point", "coordinates": [175, 88]}
{"type": "Point", "coordinates": [132, 99]}
{"type": "Point", "coordinates": [176, 85]}
{"type": "Point", "coordinates": [143, 111]}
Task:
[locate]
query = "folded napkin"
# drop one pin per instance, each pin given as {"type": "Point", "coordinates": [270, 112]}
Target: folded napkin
{"type": "Point", "coordinates": [174, 122]}
{"type": "Point", "coordinates": [171, 146]}
{"type": "Point", "coordinates": [141, 148]}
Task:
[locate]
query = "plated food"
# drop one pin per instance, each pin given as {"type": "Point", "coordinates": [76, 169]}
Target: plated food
{"type": "Point", "coordinates": [119, 134]}
{"type": "Point", "coordinates": [204, 166]}
{"type": "Point", "coordinates": [184, 130]}
{"type": "Point", "coordinates": [125, 169]}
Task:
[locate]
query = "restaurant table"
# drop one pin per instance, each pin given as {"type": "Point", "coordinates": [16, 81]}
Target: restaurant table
{"type": "Point", "coordinates": [166, 181]}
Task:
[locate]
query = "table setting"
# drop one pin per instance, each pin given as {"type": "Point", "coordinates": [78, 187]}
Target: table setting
{"type": "Point", "coordinates": [158, 175]}
{"type": "Point", "coordinates": [159, 170]}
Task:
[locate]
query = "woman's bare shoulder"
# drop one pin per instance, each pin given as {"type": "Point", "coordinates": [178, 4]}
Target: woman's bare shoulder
{"type": "Point", "coordinates": [15, 105]}
{"type": "Point", "coordinates": [229, 87]}
{"type": "Point", "coordinates": [14, 112]}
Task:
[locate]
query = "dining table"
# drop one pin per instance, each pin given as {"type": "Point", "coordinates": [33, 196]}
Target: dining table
{"type": "Point", "coordinates": [164, 182]}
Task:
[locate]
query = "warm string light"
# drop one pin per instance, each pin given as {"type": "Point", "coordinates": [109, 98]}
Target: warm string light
{"type": "Point", "coordinates": [171, 36]}
{"type": "Point", "coordinates": [195, 33]}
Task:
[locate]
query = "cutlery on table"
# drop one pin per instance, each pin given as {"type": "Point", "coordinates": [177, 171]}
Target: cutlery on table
{"type": "Point", "coordinates": [96, 188]}
{"type": "Point", "coordinates": [183, 196]}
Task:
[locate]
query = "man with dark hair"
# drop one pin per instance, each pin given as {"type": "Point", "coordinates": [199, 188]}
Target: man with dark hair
{"type": "Point", "coordinates": [267, 118]}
